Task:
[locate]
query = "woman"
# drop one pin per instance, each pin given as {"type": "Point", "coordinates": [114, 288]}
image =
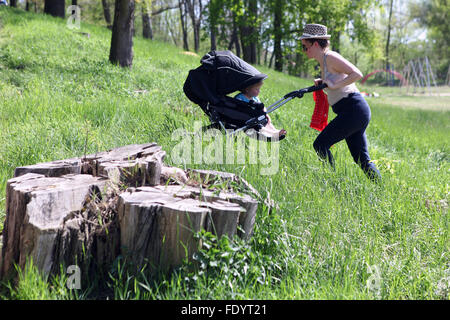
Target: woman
{"type": "Point", "coordinates": [353, 112]}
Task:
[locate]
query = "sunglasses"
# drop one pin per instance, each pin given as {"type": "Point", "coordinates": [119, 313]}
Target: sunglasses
{"type": "Point", "coordinates": [305, 48]}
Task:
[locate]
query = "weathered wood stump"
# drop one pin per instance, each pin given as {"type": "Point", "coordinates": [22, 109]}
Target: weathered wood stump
{"type": "Point", "coordinates": [87, 211]}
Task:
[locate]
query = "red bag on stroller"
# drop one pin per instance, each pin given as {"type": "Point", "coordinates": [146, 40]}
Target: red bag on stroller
{"type": "Point", "coordinates": [319, 118]}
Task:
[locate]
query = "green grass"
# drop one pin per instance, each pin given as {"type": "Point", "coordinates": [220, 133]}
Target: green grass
{"type": "Point", "coordinates": [329, 234]}
{"type": "Point", "coordinates": [432, 99]}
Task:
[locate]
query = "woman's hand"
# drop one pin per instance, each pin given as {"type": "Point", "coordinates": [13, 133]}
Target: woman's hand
{"type": "Point", "coordinates": [330, 85]}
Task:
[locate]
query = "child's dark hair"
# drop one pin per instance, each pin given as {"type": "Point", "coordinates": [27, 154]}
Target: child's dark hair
{"type": "Point", "coordinates": [323, 43]}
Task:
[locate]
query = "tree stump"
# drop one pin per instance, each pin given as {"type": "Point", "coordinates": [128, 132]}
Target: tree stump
{"type": "Point", "coordinates": [87, 211]}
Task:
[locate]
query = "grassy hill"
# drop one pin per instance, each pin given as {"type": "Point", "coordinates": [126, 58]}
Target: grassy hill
{"type": "Point", "coordinates": [330, 234]}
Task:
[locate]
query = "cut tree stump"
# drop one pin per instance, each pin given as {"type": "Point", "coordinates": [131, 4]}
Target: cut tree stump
{"type": "Point", "coordinates": [88, 211]}
{"type": "Point", "coordinates": [37, 209]}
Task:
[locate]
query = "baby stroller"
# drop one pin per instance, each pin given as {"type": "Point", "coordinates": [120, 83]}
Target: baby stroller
{"type": "Point", "coordinates": [222, 73]}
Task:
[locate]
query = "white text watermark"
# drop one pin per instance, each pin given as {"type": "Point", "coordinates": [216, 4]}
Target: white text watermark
{"type": "Point", "coordinates": [224, 148]}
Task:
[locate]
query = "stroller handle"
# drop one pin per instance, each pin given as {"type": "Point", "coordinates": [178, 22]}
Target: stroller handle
{"type": "Point", "coordinates": [301, 92]}
{"type": "Point", "coordinates": [294, 94]}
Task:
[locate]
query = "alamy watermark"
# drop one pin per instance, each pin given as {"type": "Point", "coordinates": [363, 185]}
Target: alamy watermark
{"type": "Point", "coordinates": [74, 280]}
{"type": "Point", "coordinates": [373, 283]}
{"type": "Point", "coordinates": [74, 20]}
{"type": "Point", "coordinates": [224, 148]}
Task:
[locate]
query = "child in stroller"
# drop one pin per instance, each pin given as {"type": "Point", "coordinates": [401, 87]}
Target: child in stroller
{"type": "Point", "coordinates": [222, 73]}
{"type": "Point", "coordinates": [251, 93]}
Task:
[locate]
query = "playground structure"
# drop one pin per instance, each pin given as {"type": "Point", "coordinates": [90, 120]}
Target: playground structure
{"type": "Point", "coordinates": [417, 74]}
{"type": "Point", "coordinates": [393, 73]}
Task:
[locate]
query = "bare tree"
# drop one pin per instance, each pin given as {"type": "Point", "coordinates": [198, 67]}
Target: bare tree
{"type": "Point", "coordinates": [147, 30]}
{"type": "Point", "coordinates": [56, 8]}
{"type": "Point", "coordinates": [234, 37]}
{"type": "Point", "coordinates": [183, 17]}
{"type": "Point", "coordinates": [74, 3]}
{"type": "Point", "coordinates": [277, 27]}
{"type": "Point", "coordinates": [172, 32]}
{"type": "Point", "coordinates": [195, 9]}
{"type": "Point", "coordinates": [248, 32]}
{"type": "Point", "coordinates": [147, 16]}
{"type": "Point", "coordinates": [107, 13]}
{"type": "Point", "coordinates": [388, 40]}
{"type": "Point", "coordinates": [121, 51]}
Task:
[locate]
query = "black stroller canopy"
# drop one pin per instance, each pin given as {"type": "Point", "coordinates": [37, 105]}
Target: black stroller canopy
{"type": "Point", "coordinates": [232, 72]}
{"type": "Point", "coordinates": [221, 73]}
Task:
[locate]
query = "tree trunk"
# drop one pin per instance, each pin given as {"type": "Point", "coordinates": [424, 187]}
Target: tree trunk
{"type": "Point", "coordinates": [107, 13]}
{"type": "Point", "coordinates": [213, 16]}
{"type": "Point", "coordinates": [213, 40]}
{"type": "Point", "coordinates": [266, 52]}
{"type": "Point", "coordinates": [389, 37]}
{"type": "Point", "coordinates": [13, 3]}
{"type": "Point", "coordinates": [253, 7]}
{"type": "Point", "coordinates": [87, 211]}
{"type": "Point", "coordinates": [196, 21]}
{"type": "Point", "coordinates": [121, 51]}
{"type": "Point", "coordinates": [171, 31]}
{"type": "Point", "coordinates": [56, 8]}
{"type": "Point", "coordinates": [183, 18]}
{"type": "Point", "coordinates": [245, 34]}
{"type": "Point", "coordinates": [147, 31]}
{"type": "Point", "coordinates": [235, 38]}
{"type": "Point", "coordinates": [248, 34]}
{"type": "Point", "coordinates": [271, 59]}
{"type": "Point", "coordinates": [337, 42]}
{"type": "Point", "coordinates": [277, 24]}
{"type": "Point", "coordinates": [74, 3]}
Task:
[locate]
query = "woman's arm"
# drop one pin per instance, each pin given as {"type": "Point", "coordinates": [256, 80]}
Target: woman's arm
{"type": "Point", "coordinates": [338, 64]}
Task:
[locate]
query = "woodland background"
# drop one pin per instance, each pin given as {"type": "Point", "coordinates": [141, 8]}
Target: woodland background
{"type": "Point", "coordinates": [373, 34]}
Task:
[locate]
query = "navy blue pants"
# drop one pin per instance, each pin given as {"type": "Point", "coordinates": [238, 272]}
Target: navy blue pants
{"type": "Point", "coordinates": [353, 116]}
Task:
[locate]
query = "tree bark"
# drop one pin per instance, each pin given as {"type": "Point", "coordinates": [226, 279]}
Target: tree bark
{"type": "Point", "coordinates": [121, 51]}
{"type": "Point", "coordinates": [74, 3]}
{"type": "Point", "coordinates": [183, 18]}
{"type": "Point", "coordinates": [56, 8]}
{"type": "Point", "coordinates": [107, 13]}
{"type": "Point", "coordinates": [389, 37]}
{"type": "Point", "coordinates": [248, 34]}
{"type": "Point", "coordinates": [213, 40]}
{"type": "Point", "coordinates": [234, 38]}
{"type": "Point", "coordinates": [196, 20]}
{"type": "Point", "coordinates": [147, 31]}
{"type": "Point", "coordinates": [87, 211]}
{"type": "Point", "coordinates": [277, 25]}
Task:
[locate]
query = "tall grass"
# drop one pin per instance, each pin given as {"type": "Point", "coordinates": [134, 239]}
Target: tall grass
{"type": "Point", "coordinates": [330, 234]}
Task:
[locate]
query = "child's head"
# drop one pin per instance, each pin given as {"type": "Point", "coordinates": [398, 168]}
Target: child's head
{"type": "Point", "coordinates": [253, 90]}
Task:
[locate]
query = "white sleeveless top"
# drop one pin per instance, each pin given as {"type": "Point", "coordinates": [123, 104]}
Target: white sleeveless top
{"type": "Point", "coordinates": [337, 94]}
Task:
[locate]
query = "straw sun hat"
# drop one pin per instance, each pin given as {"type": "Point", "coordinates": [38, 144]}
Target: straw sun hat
{"type": "Point", "coordinates": [315, 31]}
